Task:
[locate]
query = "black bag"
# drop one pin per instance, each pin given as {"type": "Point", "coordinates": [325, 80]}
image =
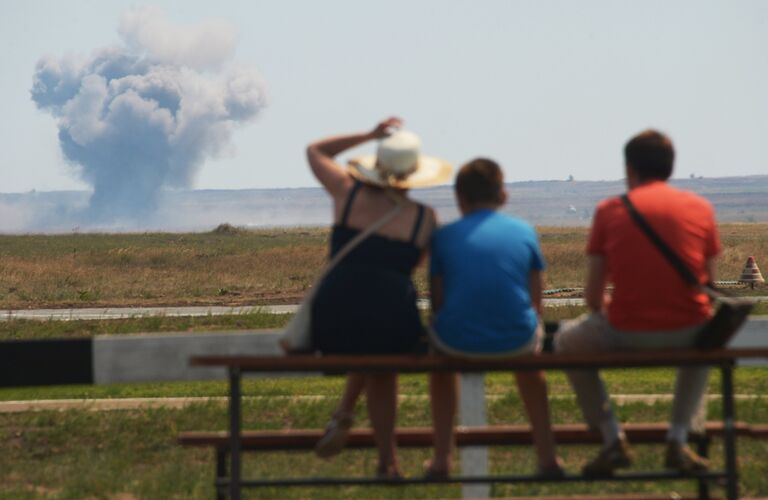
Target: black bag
{"type": "Point", "coordinates": [731, 312]}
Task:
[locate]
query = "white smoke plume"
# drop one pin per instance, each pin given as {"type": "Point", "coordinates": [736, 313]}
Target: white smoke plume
{"type": "Point", "coordinates": [144, 115]}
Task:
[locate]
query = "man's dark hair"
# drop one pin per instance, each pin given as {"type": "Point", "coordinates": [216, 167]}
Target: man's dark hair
{"type": "Point", "coordinates": [651, 155]}
{"type": "Point", "coordinates": [480, 181]}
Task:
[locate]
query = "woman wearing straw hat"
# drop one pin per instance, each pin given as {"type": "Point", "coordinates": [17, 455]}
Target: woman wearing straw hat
{"type": "Point", "coordinates": [367, 302]}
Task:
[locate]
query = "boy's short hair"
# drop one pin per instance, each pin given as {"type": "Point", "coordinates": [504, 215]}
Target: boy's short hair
{"type": "Point", "coordinates": [480, 181]}
{"type": "Point", "coordinates": [651, 154]}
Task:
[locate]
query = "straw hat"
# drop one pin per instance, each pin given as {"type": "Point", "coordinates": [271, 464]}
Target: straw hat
{"type": "Point", "coordinates": [399, 163]}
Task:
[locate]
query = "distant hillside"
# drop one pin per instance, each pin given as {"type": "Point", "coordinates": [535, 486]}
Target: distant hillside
{"type": "Point", "coordinates": [551, 203]}
{"type": "Point", "coordinates": [563, 203]}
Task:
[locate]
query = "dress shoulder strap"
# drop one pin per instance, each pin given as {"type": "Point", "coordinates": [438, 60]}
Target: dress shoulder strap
{"type": "Point", "coordinates": [350, 199]}
{"type": "Point", "coordinates": [417, 224]}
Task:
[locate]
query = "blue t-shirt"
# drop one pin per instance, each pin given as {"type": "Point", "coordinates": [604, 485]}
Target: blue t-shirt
{"type": "Point", "coordinates": [485, 259]}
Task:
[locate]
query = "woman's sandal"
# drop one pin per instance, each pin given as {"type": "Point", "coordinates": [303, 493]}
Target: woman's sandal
{"type": "Point", "coordinates": [335, 436]}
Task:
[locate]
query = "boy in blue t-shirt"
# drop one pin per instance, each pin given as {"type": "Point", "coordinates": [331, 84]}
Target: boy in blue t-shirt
{"type": "Point", "coordinates": [486, 299]}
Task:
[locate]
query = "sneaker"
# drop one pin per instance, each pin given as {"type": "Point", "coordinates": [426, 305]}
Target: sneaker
{"type": "Point", "coordinates": [615, 456]}
{"type": "Point", "coordinates": [683, 459]}
{"type": "Point", "coordinates": [335, 436]}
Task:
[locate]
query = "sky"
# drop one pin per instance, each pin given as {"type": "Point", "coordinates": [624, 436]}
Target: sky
{"type": "Point", "coordinates": [547, 88]}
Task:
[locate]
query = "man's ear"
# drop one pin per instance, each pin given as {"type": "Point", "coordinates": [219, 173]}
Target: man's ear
{"type": "Point", "coordinates": [462, 203]}
{"type": "Point", "coordinates": [631, 175]}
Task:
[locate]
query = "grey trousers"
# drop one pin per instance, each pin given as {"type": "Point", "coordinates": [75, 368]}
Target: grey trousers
{"type": "Point", "coordinates": [593, 333]}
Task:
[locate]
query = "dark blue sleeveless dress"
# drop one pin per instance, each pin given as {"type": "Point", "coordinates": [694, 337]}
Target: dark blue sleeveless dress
{"type": "Point", "coordinates": [367, 304]}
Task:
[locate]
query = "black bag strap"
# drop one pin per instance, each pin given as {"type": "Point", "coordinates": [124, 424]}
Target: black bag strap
{"type": "Point", "coordinates": [417, 224]}
{"type": "Point", "coordinates": [675, 261]}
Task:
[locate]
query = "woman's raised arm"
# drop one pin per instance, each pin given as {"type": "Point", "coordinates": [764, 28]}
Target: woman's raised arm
{"type": "Point", "coordinates": [320, 155]}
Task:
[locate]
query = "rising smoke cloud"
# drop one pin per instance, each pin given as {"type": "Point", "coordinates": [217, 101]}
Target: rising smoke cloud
{"type": "Point", "coordinates": [144, 115]}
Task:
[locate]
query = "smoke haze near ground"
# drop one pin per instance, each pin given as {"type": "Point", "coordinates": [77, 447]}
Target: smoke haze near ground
{"type": "Point", "coordinates": [544, 203]}
{"type": "Point", "coordinates": [141, 117]}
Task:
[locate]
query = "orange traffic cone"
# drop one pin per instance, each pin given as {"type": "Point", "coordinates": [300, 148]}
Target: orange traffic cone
{"type": "Point", "coordinates": [751, 273]}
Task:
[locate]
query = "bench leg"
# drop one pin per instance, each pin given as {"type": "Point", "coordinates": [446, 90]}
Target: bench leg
{"type": "Point", "coordinates": [729, 433]}
{"type": "Point", "coordinates": [234, 433]}
{"type": "Point", "coordinates": [702, 448]}
{"type": "Point", "coordinates": [474, 459]}
{"type": "Point", "coordinates": [221, 471]}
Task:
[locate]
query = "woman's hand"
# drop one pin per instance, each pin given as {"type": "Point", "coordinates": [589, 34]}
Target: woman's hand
{"type": "Point", "coordinates": [331, 175]}
{"type": "Point", "coordinates": [383, 129]}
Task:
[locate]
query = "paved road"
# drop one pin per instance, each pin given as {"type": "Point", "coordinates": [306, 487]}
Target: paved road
{"type": "Point", "coordinates": [137, 312]}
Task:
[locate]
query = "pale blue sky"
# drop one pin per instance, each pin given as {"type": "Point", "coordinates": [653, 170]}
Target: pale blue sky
{"type": "Point", "coordinates": [548, 88]}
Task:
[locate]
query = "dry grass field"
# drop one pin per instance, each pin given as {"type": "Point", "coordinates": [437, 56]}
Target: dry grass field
{"type": "Point", "coordinates": [239, 267]}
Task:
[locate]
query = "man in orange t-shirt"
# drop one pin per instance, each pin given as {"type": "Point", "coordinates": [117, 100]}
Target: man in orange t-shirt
{"type": "Point", "coordinates": [651, 307]}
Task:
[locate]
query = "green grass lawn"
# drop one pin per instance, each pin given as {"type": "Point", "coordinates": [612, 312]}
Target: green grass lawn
{"type": "Point", "coordinates": [85, 454]}
{"type": "Point", "coordinates": [132, 453]}
{"type": "Point", "coordinates": [747, 380]}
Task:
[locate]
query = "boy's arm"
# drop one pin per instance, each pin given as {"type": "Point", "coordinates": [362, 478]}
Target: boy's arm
{"type": "Point", "coordinates": [534, 287]}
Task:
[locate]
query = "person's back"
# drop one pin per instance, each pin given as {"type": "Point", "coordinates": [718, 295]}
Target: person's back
{"type": "Point", "coordinates": [485, 280]}
{"type": "Point", "coordinates": [367, 302]}
{"type": "Point", "coordinates": [651, 307]}
{"type": "Point", "coordinates": [360, 205]}
{"type": "Point", "coordinates": [648, 294]}
{"type": "Point", "coordinates": [485, 260]}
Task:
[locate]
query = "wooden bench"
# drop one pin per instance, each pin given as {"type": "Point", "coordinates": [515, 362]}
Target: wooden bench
{"type": "Point", "coordinates": [234, 442]}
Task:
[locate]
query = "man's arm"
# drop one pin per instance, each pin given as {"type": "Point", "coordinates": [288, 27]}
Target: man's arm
{"type": "Point", "coordinates": [710, 266]}
{"type": "Point", "coordinates": [535, 285]}
{"type": "Point", "coordinates": [596, 278]}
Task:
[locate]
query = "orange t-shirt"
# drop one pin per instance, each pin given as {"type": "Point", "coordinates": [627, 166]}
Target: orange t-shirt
{"type": "Point", "coordinates": [649, 294]}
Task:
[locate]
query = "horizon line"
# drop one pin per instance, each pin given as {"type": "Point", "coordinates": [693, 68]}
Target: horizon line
{"type": "Point", "coordinates": [318, 186]}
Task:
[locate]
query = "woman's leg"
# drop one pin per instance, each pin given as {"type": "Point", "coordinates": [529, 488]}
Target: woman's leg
{"type": "Point", "coordinates": [443, 394]}
{"type": "Point", "coordinates": [352, 390]}
{"type": "Point", "coordinates": [337, 430]}
{"type": "Point", "coordinates": [381, 396]}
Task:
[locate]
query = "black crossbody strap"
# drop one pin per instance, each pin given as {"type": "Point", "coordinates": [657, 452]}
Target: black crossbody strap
{"type": "Point", "coordinates": [667, 252]}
